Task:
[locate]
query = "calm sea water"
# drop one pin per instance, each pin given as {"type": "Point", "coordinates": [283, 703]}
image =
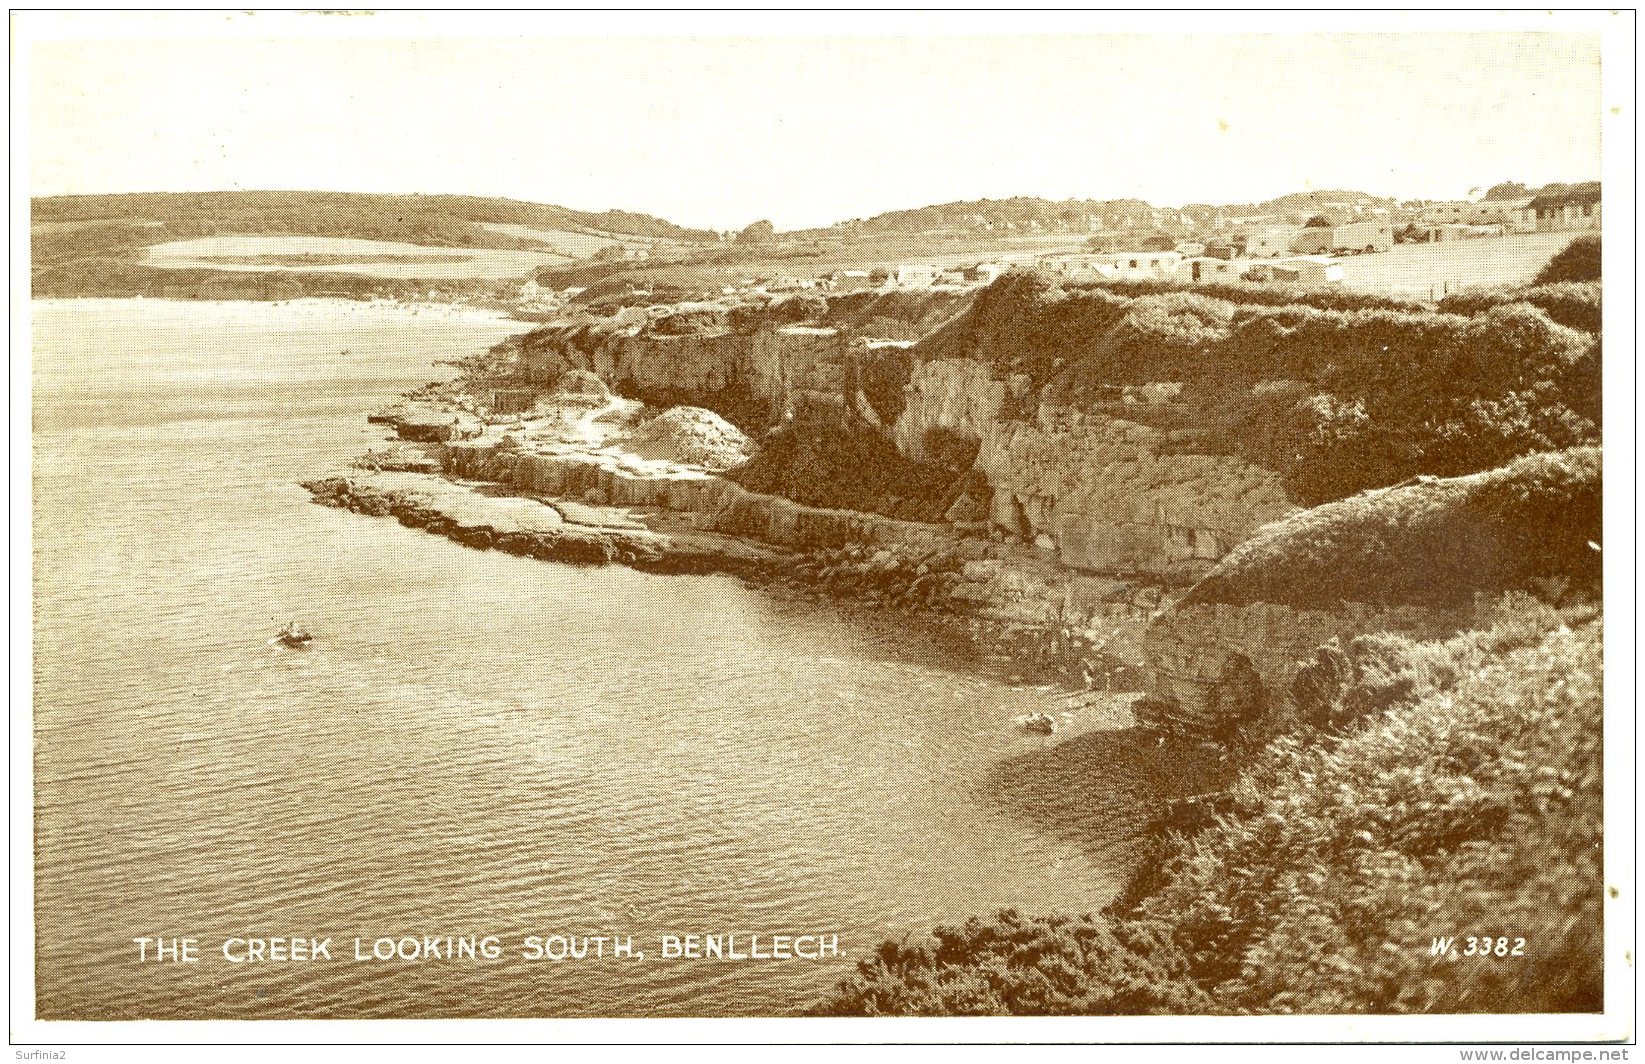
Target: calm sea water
{"type": "Point", "coordinates": [476, 744]}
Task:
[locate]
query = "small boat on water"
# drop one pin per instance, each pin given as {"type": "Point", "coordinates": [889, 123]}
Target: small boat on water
{"type": "Point", "coordinates": [293, 635]}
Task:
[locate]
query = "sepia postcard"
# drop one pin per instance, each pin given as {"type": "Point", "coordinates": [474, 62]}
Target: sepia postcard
{"type": "Point", "coordinates": [804, 527]}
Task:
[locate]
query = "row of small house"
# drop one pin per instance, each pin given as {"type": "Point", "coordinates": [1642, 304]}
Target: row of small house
{"type": "Point", "coordinates": [1175, 266]}
{"type": "Point", "coordinates": [905, 275]}
{"type": "Point", "coordinates": [1556, 209]}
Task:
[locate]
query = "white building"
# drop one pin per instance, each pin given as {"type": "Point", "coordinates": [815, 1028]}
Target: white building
{"type": "Point", "coordinates": [1308, 269]}
{"type": "Point", "coordinates": [1513, 215]}
{"type": "Point", "coordinates": [1206, 269]}
{"type": "Point", "coordinates": [1269, 241]}
{"type": "Point", "coordinates": [914, 275]}
{"type": "Point", "coordinates": [1115, 265]}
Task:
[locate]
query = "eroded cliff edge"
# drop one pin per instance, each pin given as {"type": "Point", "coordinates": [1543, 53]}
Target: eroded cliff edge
{"type": "Point", "coordinates": [1057, 465]}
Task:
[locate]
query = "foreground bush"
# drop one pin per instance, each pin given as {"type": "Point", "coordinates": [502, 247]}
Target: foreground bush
{"type": "Point", "coordinates": [1470, 809]}
{"type": "Point", "coordinates": [1574, 304]}
{"type": "Point", "coordinates": [1023, 966]}
{"type": "Point", "coordinates": [1579, 261]}
{"type": "Point", "coordinates": [1463, 802]}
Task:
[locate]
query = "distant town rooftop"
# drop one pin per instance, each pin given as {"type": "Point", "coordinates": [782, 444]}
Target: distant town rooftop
{"type": "Point", "coordinates": [1585, 194]}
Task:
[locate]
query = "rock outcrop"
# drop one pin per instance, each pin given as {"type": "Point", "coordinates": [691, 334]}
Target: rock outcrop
{"type": "Point", "coordinates": [1061, 489]}
{"type": "Point", "coordinates": [1418, 560]}
{"type": "Point", "coordinates": [755, 377]}
{"type": "Point", "coordinates": [1106, 493]}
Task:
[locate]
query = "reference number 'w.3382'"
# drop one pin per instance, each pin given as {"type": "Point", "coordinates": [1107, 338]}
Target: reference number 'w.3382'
{"type": "Point", "coordinates": [1477, 946]}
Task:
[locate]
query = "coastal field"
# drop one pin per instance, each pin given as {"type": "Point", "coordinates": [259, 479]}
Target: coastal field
{"type": "Point", "coordinates": [371, 258]}
{"type": "Point", "coordinates": [1430, 271]}
{"type": "Point", "coordinates": [574, 244]}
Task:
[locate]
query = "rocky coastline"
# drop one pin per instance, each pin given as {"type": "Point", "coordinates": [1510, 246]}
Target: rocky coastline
{"type": "Point", "coordinates": [589, 503]}
{"type": "Point", "coordinates": [1067, 503]}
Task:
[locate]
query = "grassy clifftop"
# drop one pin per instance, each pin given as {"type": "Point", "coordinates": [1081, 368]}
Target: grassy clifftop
{"type": "Point", "coordinates": [1336, 391]}
{"type": "Point", "coordinates": [1535, 522]}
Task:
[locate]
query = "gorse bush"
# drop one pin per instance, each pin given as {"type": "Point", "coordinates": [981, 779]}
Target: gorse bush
{"type": "Point", "coordinates": [1024, 966]}
{"type": "Point", "coordinates": [1574, 304]}
{"type": "Point", "coordinates": [1579, 261]}
{"type": "Point", "coordinates": [1469, 806]}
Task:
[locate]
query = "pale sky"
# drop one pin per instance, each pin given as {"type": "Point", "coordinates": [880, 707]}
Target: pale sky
{"type": "Point", "coordinates": [804, 130]}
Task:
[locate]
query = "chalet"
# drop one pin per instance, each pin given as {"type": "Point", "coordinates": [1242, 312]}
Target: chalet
{"type": "Point", "coordinates": [1372, 235]}
{"type": "Point", "coordinates": [1115, 265]}
{"type": "Point", "coordinates": [1559, 208]}
{"type": "Point", "coordinates": [914, 275]}
{"type": "Point", "coordinates": [1308, 269]}
{"type": "Point", "coordinates": [1213, 269]}
{"type": "Point", "coordinates": [1512, 215]}
{"type": "Point", "coordinates": [1461, 231]}
{"type": "Point", "coordinates": [1270, 241]}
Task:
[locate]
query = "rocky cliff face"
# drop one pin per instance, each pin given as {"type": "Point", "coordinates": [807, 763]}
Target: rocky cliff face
{"type": "Point", "coordinates": [1106, 493]}
{"type": "Point", "coordinates": [1098, 493]}
{"type": "Point", "coordinates": [1215, 665]}
{"type": "Point", "coordinates": [1009, 589]}
{"type": "Point", "coordinates": [755, 377]}
{"type": "Point", "coordinates": [1422, 560]}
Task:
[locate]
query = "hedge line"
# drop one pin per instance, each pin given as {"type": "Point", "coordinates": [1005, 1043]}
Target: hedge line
{"type": "Point", "coordinates": [1576, 304]}
{"type": "Point", "coordinates": [1248, 293]}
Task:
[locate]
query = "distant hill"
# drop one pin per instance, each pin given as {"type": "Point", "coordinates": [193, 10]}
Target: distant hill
{"type": "Point", "coordinates": [66, 226]}
{"type": "Point", "coordinates": [1325, 197]}
{"type": "Point", "coordinates": [1026, 214]}
{"type": "Point", "coordinates": [1021, 214]}
{"type": "Point", "coordinates": [100, 245]}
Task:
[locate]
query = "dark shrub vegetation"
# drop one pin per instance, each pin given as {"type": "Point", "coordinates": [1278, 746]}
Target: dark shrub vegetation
{"type": "Point", "coordinates": [1023, 966]}
{"type": "Point", "coordinates": [1535, 520]}
{"type": "Point", "coordinates": [1471, 799]}
{"type": "Point", "coordinates": [1267, 295]}
{"type": "Point", "coordinates": [826, 457]}
{"type": "Point", "coordinates": [1579, 261]}
{"type": "Point", "coordinates": [881, 374]}
{"type": "Point", "coordinates": [1459, 795]}
{"type": "Point", "coordinates": [1575, 304]}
